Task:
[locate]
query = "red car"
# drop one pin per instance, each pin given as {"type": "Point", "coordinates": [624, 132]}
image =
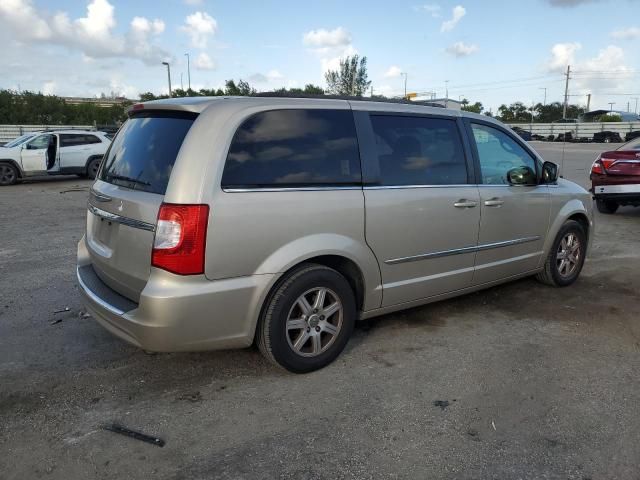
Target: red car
{"type": "Point", "coordinates": [615, 177]}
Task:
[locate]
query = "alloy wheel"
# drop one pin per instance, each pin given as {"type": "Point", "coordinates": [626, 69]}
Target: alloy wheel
{"type": "Point", "coordinates": [314, 322]}
{"type": "Point", "coordinates": [568, 255]}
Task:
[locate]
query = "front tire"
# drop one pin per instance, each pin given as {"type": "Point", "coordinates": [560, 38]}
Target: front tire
{"type": "Point", "coordinates": [308, 320]}
{"type": "Point", "coordinates": [607, 206]}
{"type": "Point", "coordinates": [8, 174]}
{"type": "Point", "coordinates": [566, 257]}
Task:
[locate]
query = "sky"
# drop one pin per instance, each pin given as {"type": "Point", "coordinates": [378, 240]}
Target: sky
{"type": "Point", "coordinates": [490, 51]}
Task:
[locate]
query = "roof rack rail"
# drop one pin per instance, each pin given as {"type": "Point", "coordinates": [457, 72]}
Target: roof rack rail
{"type": "Point", "coordinates": [346, 97]}
{"type": "Point", "coordinates": [60, 129]}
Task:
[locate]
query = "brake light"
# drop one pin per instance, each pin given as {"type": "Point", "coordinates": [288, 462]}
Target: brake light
{"type": "Point", "coordinates": [180, 239]}
{"type": "Point", "coordinates": [597, 167]}
{"type": "Point", "coordinates": [607, 162]}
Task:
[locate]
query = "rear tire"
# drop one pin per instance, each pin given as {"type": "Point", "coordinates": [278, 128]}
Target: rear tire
{"type": "Point", "coordinates": [8, 174]}
{"type": "Point", "coordinates": [607, 206]}
{"type": "Point", "coordinates": [566, 257]}
{"type": "Point", "coordinates": [93, 167]}
{"type": "Point", "coordinates": [302, 329]}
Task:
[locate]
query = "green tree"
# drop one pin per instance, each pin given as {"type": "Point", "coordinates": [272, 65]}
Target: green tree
{"type": "Point", "coordinates": [514, 113]}
{"type": "Point", "coordinates": [610, 117]}
{"type": "Point", "coordinates": [242, 88]}
{"type": "Point", "coordinates": [474, 108]}
{"type": "Point", "coordinates": [350, 79]}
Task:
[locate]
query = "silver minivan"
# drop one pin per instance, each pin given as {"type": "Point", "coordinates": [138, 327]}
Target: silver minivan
{"type": "Point", "coordinates": [219, 222]}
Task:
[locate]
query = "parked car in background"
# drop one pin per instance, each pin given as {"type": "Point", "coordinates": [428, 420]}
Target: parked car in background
{"type": "Point", "coordinates": [214, 222]}
{"type": "Point", "coordinates": [631, 135]}
{"type": "Point", "coordinates": [607, 137]}
{"type": "Point", "coordinates": [522, 133]}
{"type": "Point", "coordinates": [615, 177]}
{"type": "Point", "coordinates": [60, 152]}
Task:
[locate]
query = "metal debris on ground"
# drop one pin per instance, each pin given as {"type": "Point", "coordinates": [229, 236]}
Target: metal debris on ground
{"type": "Point", "coordinates": [114, 427]}
{"type": "Point", "coordinates": [65, 309]}
{"type": "Point", "coordinates": [441, 403]}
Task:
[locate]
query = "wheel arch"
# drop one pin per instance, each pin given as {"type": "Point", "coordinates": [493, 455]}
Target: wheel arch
{"type": "Point", "coordinates": [572, 210]}
{"type": "Point", "coordinates": [14, 164]}
{"type": "Point", "coordinates": [345, 266]}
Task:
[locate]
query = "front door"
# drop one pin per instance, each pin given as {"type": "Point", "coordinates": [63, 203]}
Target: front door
{"type": "Point", "coordinates": [514, 219]}
{"type": "Point", "coordinates": [422, 215]}
{"type": "Point", "coordinates": [34, 154]}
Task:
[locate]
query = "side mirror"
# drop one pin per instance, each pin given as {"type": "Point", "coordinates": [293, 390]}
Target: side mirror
{"type": "Point", "coordinates": [521, 176]}
{"type": "Point", "coordinates": [549, 172]}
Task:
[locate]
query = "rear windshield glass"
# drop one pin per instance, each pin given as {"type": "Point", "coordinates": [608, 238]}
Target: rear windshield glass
{"type": "Point", "coordinates": [294, 148]}
{"type": "Point", "coordinates": [143, 152]}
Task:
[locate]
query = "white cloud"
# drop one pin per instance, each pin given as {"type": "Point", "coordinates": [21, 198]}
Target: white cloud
{"type": "Point", "coordinates": [204, 62]}
{"type": "Point", "coordinates": [393, 72]}
{"type": "Point", "coordinates": [562, 54]}
{"type": "Point", "coordinates": [432, 9]}
{"type": "Point", "coordinates": [330, 46]}
{"type": "Point", "coordinates": [461, 49]}
{"type": "Point", "coordinates": [456, 15]}
{"type": "Point", "coordinates": [617, 76]}
{"type": "Point", "coordinates": [274, 75]}
{"type": "Point", "coordinates": [323, 38]}
{"type": "Point", "coordinates": [193, 3]}
{"type": "Point", "coordinates": [626, 33]}
{"type": "Point", "coordinates": [200, 26]}
{"type": "Point", "coordinates": [21, 17]}
{"type": "Point", "coordinates": [93, 35]}
{"type": "Point", "coordinates": [49, 88]}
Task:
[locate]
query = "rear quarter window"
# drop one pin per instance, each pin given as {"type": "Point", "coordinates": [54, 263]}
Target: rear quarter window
{"type": "Point", "coordinates": [144, 151]}
{"type": "Point", "coordinates": [294, 148]}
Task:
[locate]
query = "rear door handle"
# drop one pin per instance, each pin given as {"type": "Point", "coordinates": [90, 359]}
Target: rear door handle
{"type": "Point", "coordinates": [464, 203]}
{"type": "Point", "coordinates": [493, 202]}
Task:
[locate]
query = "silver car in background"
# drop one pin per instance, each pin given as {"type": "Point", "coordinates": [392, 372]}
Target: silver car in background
{"type": "Point", "coordinates": [219, 222]}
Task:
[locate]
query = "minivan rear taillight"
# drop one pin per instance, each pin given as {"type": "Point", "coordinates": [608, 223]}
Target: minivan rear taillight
{"type": "Point", "coordinates": [180, 240]}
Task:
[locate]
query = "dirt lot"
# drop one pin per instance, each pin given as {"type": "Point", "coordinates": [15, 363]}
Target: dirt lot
{"type": "Point", "coordinates": [519, 381]}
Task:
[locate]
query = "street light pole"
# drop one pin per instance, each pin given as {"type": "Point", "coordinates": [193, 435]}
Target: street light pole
{"type": "Point", "coordinates": [636, 109]}
{"type": "Point", "coordinates": [611, 104]}
{"type": "Point", "coordinates": [405, 83]}
{"type": "Point", "coordinates": [188, 71]}
{"type": "Point", "coordinates": [168, 76]}
{"type": "Point", "coordinates": [544, 102]}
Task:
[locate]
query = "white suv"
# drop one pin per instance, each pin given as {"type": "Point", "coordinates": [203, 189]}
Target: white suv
{"type": "Point", "coordinates": [60, 152]}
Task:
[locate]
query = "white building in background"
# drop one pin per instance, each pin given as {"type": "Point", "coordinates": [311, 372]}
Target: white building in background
{"type": "Point", "coordinates": [445, 102]}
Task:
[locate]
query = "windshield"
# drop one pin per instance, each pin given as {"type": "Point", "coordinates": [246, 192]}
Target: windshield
{"type": "Point", "coordinates": [20, 140]}
{"type": "Point", "coordinates": [143, 152]}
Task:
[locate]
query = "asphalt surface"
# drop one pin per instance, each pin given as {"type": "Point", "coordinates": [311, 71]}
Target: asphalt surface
{"type": "Point", "coordinates": [518, 381]}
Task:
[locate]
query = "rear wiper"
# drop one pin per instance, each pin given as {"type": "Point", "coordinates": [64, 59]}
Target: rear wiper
{"type": "Point", "coordinates": [127, 179]}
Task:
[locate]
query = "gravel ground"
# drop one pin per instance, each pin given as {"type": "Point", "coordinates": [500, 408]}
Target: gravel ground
{"type": "Point", "coordinates": [518, 381]}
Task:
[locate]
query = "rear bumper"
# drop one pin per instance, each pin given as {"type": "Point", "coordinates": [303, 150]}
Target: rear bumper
{"type": "Point", "coordinates": [177, 313]}
{"type": "Point", "coordinates": [630, 189]}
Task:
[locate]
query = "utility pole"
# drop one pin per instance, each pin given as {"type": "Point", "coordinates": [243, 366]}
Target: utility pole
{"type": "Point", "coordinates": [188, 71]}
{"type": "Point", "coordinates": [588, 101]}
{"type": "Point", "coordinates": [372, 90]}
{"type": "Point", "coordinates": [168, 76]}
{"type": "Point", "coordinates": [181, 84]}
{"type": "Point", "coordinates": [544, 102]}
{"type": "Point", "coordinates": [627, 107]}
{"type": "Point", "coordinates": [446, 94]}
{"type": "Point", "coordinates": [405, 83]}
{"type": "Point", "coordinates": [566, 93]}
{"type": "Point", "coordinates": [611, 104]}
{"type": "Point", "coordinates": [636, 109]}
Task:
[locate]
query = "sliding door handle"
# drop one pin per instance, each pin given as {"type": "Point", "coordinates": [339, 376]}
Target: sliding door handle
{"type": "Point", "coordinates": [464, 203]}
